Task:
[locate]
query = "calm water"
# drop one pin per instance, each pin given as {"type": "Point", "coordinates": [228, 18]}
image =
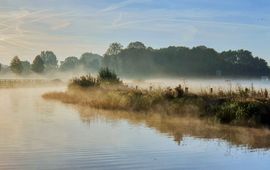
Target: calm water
{"type": "Point", "coordinates": [40, 134]}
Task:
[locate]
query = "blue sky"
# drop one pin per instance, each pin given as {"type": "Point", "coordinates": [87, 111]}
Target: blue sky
{"type": "Point", "coordinates": [71, 27]}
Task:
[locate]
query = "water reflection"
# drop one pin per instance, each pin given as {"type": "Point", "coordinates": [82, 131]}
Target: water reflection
{"type": "Point", "coordinates": [180, 127]}
{"type": "Point", "coordinates": [40, 134]}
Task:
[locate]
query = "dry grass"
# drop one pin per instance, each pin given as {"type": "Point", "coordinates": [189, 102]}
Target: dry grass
{"type": "Point", "coordinates": [232, 108]}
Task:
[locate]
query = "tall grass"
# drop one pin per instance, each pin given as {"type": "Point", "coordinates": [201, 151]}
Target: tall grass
{"type": "Point", "coordinates": [241, 106]}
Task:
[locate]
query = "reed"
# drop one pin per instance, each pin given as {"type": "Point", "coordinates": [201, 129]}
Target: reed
{"type": "Point", "coordinates": [240, 106]}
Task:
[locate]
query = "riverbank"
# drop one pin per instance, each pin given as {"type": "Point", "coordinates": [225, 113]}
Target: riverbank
{"type": "Point", "coordinates": [242, 107]}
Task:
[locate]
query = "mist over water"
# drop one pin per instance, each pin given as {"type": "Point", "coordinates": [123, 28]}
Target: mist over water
{"type": "Point", "coordinates": [200, 84]}
{"type": "Point", "coordinates": [40, 134]}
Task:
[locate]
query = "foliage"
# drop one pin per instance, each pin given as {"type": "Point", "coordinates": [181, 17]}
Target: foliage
{"type": "Point", "coordinates": [137, 60]}
{"type": "Point", "coordinates": [243, 112]}
{"type": "Point", "coordinates": [230, 112]}
{"type": "Point", "coordinates": [136, 45]}
{"type": "Point", "coordinates": [70, 63]}
{"type": "Point", "coordinates": [90, 61]}
{"type": "Point", "coordinates": [16, 65]}
{"type": "Point", "coordinates": [114, 49]}
{"type": "Point", "coordinates": [50, 60]}
{"type": "Point", "coordinates": [38, 65]}
{"type": "Point", "coordinates": [26, 67]}
{"type": "Point", "coordinates": [106, 75]}
{"type": "Point", "coordinates": [85, 81]}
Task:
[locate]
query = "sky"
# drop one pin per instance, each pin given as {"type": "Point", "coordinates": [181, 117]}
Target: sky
{"type": "Point", "coordinates": [72, 27]}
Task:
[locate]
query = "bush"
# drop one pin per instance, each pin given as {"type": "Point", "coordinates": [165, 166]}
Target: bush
{"type": "Point", "coordinates": [237, 112]}
{"type": "Point", "coordinates": [85, 81]}
{"type": "Point", "coordinates": [179, 91]}
{"type": "Point", "coordinates": [169, 94]}
{"type": "Point", "coordinates": [106, 75]}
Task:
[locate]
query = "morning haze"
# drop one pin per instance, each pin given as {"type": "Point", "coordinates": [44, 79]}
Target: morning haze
{"type": "Point", "coordinates": [134, 84]}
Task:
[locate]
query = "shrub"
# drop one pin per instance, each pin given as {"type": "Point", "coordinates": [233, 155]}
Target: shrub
{"type": "Point", "coordinates": [85, 81]}
{"type": "Point", "coordinates": [179, 91]}
{"type": "Point", "coordinates": [106, 75]}
{"type": "Point", "coordinates": [169, 93]}
{"type": "Point", "coordinates": [238, 112]}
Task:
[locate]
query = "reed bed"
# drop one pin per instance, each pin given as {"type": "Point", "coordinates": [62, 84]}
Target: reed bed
{"type": "Point", "coordinates": [241, 106]}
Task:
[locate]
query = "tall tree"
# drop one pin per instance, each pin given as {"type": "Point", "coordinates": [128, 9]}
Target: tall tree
{"type": "Point", "coordinates": [90, 61]}
{"type": "Point", "coordinates": [50, 60]}
{"type": "Point", "coordinates": [110, 57]}
{"type": "Point", "coordinates": [26, 67]}
{"type": "Point", "coordinates": [114, 49]}
{"type": "Point", "coordinates": [16, 65]}
{"type": "Point", "coordinates": [70, 63]}
{"type": "Point", "coordinates": [137, 45]}
{"type": "Point", "coordinates": [38, 65]}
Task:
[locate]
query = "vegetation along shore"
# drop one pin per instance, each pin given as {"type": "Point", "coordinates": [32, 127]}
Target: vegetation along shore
{"type": "Point", "coordinates": [241, 107]}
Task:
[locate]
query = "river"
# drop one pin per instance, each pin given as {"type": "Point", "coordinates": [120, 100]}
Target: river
{"type": "Point", "coordinates": [40, 134]}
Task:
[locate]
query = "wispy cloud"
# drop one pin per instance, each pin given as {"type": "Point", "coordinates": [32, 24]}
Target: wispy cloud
{"type": "Point", "coordinates": [62, 25]}
{"type": "Point", "coordinates": [122, 4]}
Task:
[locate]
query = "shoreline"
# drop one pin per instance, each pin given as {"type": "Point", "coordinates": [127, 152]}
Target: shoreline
{"type": "Point", "coordinates": [238, 108]}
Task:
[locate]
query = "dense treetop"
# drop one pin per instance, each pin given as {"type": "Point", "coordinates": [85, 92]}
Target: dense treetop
{"type": "Point", "coordinates": [137, 60]}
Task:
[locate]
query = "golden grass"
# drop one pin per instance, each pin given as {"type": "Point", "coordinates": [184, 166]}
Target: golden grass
{"type": "Point", "coordinates": [227, 108]}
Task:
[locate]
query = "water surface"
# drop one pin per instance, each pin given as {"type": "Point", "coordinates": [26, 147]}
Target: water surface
{"type": "Point", "coordinates": [40, 134]}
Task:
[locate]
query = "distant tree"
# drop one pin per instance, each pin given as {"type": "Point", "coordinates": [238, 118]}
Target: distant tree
{"type": "Point", "coordinates": [50, 60]}
{"type": "Point", "coordinates": [90, 61]}
{"type": "Point", "coordinates": [114, 49]}
{"type": "Point", "coordinates": [26, 67]}
{"type": "Point", "coordinates": [16, 65]}
{"type": "Point", "coordinates": [136, 60]}
{"type": "Point", "coordinates": [111, 56]}
{"type": "Point", "coordinates": [136, 45]}
{"type": "Point", "coordinates": [70, 63]}
{"type": "Point", "coordinates": [38, 65]}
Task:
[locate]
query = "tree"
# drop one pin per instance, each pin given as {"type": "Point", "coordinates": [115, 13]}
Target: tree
{"type": "Point", "coordinates": [16, 65]}
{"type": "Point", "coordinates": [38, 65]}
{"type": "Point", "coordinates": [26, 67]}
{"type": "Point", "coordinates": [70, 63]}
{"type": "Point", "coordinates": [136, 45]}
{"type": "Point", "coordinates": [50, 60]}
{"type": "Point", "coordinates": [114, 49]}
{"type": "Point", "coordinates": [90, 61]}
{"type": "Point", "coordinates": [136, 60]}
{"type": "Point", "coordinates": [110, 57]}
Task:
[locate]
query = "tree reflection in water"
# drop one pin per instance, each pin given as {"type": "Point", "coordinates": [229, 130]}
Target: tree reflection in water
{"type": "Point", "coordinates": [179, 127]}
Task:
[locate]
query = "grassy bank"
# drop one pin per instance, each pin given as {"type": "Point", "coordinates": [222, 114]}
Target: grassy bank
{"type": "Point", "coordinates": [245, 107]}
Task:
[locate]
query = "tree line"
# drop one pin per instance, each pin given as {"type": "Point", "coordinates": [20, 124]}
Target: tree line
{"type": "Point", "coordinates": [47, 62]}
{"type": "Point", "coordinates": [137, 60]}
